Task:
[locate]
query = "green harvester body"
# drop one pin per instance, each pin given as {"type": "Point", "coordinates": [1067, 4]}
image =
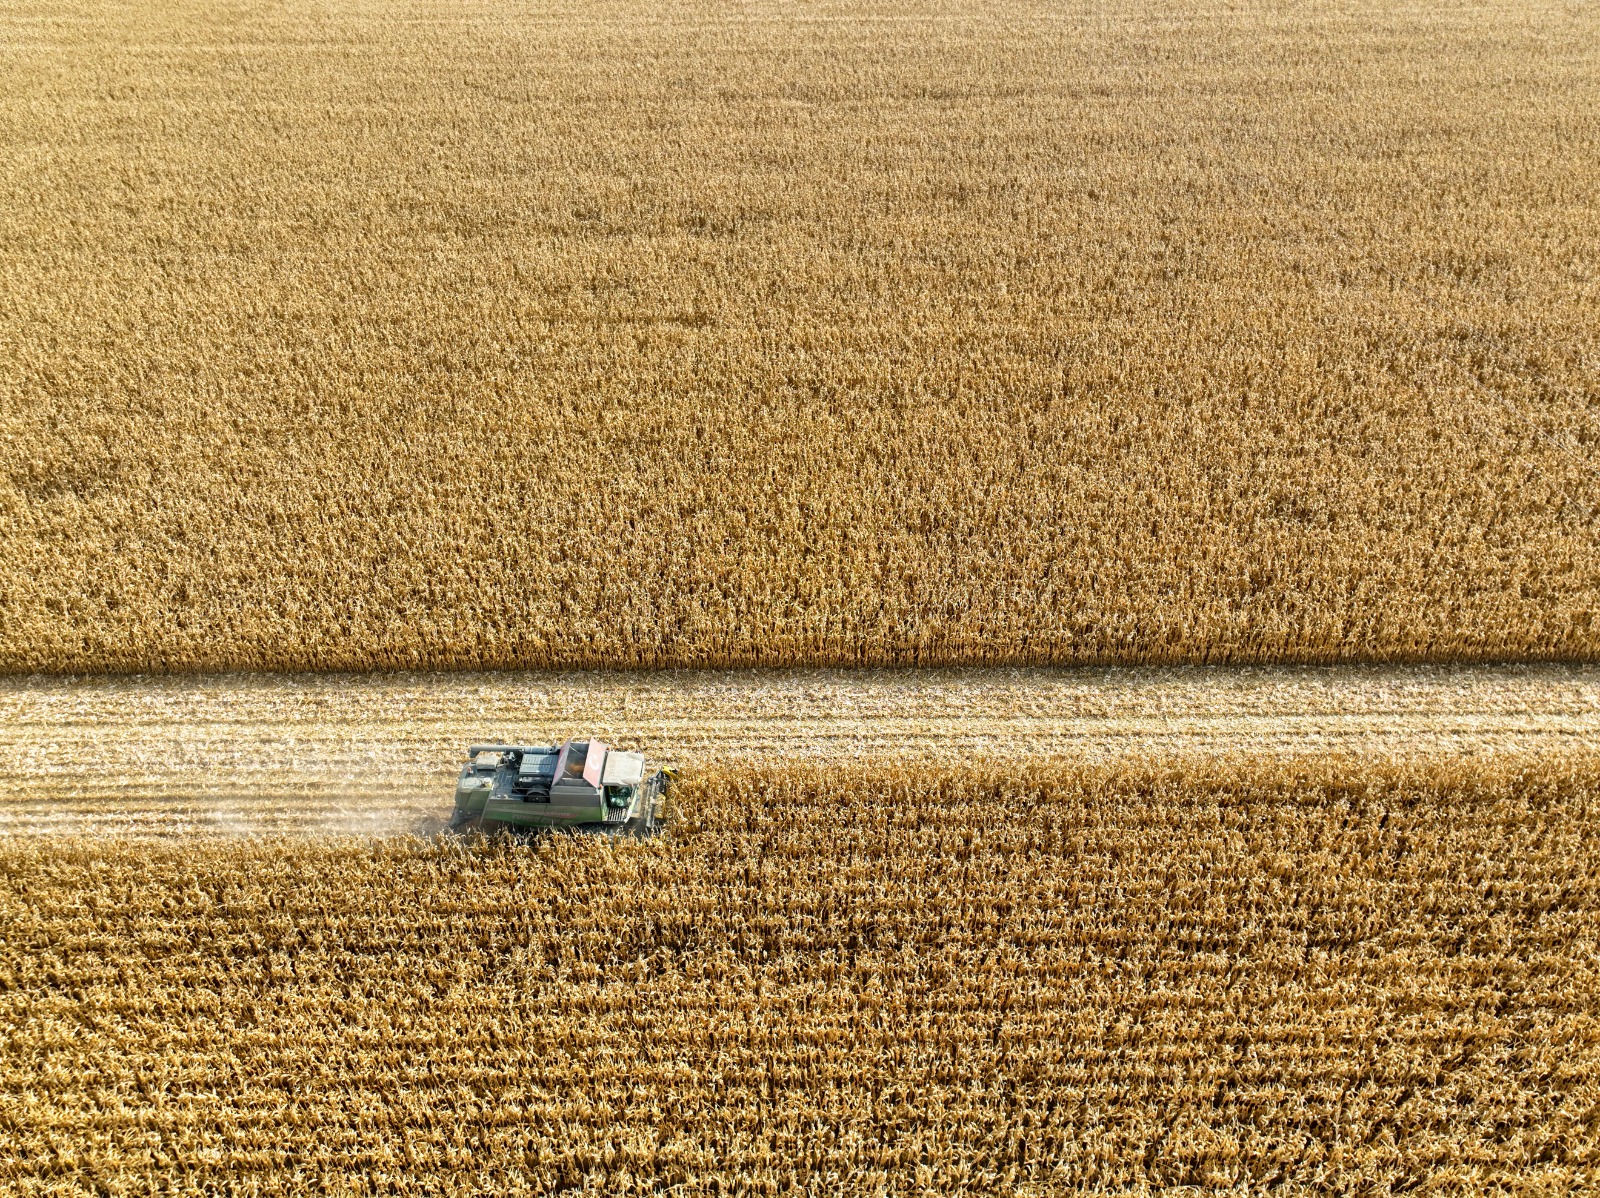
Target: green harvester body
{"type": "Point", "coordinates": [583, 785]}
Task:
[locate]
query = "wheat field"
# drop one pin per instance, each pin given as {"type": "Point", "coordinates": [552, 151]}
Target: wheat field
{"type": "Point", "coordinates": [396, 333]}
{"type": "Point", "coordinates": [509, 340]}
{"type": "Point", "coordinates": [835, 979]}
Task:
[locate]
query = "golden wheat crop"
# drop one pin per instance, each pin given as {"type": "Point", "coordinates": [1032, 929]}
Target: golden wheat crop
{"type": "Point", "coordinates": [829, 981]}
{"type": "Point", "coordinates": [397, 332]}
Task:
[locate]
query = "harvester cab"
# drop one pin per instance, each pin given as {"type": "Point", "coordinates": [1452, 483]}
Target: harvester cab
{"type": "Point", "coordinates": [584, 785]}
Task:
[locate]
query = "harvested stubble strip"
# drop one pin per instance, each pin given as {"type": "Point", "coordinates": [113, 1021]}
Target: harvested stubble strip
{"type": "Point", "coordinates": [1336, 977]}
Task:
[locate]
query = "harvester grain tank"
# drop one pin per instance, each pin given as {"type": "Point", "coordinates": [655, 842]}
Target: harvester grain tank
{"type": "Point", "coordinates": [583, 785]}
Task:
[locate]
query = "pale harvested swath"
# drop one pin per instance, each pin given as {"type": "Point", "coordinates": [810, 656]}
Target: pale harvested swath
{"type": "Point", "coordinates": [377, 753]}
{"type": "Point", "coordinates": [1337, 980]}
{"type": "Point", "coordinates": [396, 332]}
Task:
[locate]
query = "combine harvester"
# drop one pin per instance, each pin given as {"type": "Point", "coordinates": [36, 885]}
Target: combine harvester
{"type": "Point", "coordinates": [584, 785]}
